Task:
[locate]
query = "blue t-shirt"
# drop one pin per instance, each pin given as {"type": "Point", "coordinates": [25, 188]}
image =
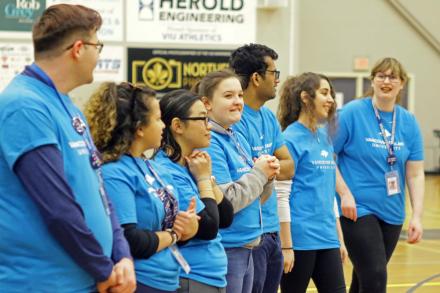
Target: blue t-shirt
{"type": "Point", "coordinates": [228, 166]}
{"type": "Point", "coordinates": [31, 115]}
{"type": "Point", "coordinates": [362, 157]}
{"type": "Point", "coordinates": [136, 202]}
{"type": "Point", "coordinates": [262, 131]}
{"type": "Point", "coordinates": [207, 258]}
{"type": "Point", "coordinates": [313, 222]}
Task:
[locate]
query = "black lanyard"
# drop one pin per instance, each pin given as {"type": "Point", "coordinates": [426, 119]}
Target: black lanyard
{"type": "Point", "coordinates": [80, 127]}
{"type": "Point", "coordinates": [391, 159]}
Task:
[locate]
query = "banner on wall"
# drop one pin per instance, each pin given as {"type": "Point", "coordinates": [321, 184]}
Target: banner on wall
{"type": "Point", "coordinates": [18, 16]}
{"type": "Point", "coordinates": [13, 59]}
{"type": "Point", "coordinates": [110, 65]}
{"type": "Point", "coordinates": [164, 70]}
{"type": "Point", "coordinates": [195, 22]}
{"type": "Point", "coordinates": [110, 11]}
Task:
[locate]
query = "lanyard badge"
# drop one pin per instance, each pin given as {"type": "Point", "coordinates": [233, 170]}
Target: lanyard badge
{"type": "Point", "coordinates": [392, 180]}
{"type": "Point", "coordinates": [391, 158]}
{"type": "Point", "coordinates": [79, 126]}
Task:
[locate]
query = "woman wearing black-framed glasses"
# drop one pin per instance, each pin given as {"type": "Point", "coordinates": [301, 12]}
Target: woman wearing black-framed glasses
{"type": "Point", "coordinates": [187, 130]}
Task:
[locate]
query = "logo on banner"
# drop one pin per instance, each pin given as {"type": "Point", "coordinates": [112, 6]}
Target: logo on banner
{"type": "Point", "coordinates": [146, 10]}
{"type": "Point", "coordinates": [166, 69]}
{"type": "Point", "coordinates": [19, 15]}
{"type": "Point", "coordinates": [159, 73]}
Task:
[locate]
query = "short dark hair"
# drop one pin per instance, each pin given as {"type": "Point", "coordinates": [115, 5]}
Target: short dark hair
{"type": "Point", "coordinates": [59, 23]}
{"type": "Point", "coordinates": [249, 59]}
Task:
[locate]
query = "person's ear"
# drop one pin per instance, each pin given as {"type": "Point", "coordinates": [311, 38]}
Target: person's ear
{"type": "Point", "coordinates": [305, 97]}
{"type": "Point", "coordinates": [207, 103]}
{"type": "Point", "coordinates": [76, 50]}
{"type": "Point", "coordinates": [176, 126]}
{"type": "Point", "coordinates": [140, 132]}
{"type": "Point", "coordinates": [255, 79]}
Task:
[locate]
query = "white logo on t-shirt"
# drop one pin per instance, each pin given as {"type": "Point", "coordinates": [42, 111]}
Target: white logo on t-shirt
{"type": "Point", "coordinates": [149, 179]}
{"type": "Point", "coordinates": [387, 133]}
{"type": "Point", "coordinates": [324, 153]}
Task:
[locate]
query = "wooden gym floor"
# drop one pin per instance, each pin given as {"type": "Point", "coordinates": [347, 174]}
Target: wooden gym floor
{"type": "Point", "coordinates": [415, 268]}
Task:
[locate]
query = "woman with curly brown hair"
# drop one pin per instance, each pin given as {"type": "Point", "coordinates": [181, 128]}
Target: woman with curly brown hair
{"type": "Point", "coordinates": [125, 121]}
{"type": "Point", "coordinates": [306, 112]}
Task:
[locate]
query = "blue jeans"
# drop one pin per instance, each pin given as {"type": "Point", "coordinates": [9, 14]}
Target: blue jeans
{"type": "Point", "coordinates": [268, 264]}
{"type": "Point", "coordinates": [240, 270]}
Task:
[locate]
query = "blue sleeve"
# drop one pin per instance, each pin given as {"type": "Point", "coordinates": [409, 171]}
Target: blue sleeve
{"type": "Point", "coordinates": [241, 128]}
{"type": "Point", "coordinates": [122, 194]}
{"type": "Point", "coordinates": [341, 136]}
{"type": "Point", "coordinates": [278, 137]}
{"type": "Point", "coordinates": [186, 192]}
{"type": "Point", "coordinates": [121, 249]}
{"type": "Point", "coordinates": [42, 174]}
{"type": "Point", "coordinates": [220, 168]}
{"type": "Point", "coordinates": [416, 146]}
{"type": "Point", "coordinates": [25, 130]}
{"type": "Point", "coordinates": [293, 152]}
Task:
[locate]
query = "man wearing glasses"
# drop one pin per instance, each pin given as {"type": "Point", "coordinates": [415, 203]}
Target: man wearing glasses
{"type": "Point", "coordinates": [255, 64]}
{"type": "Point", "coordinates": [58, 230]}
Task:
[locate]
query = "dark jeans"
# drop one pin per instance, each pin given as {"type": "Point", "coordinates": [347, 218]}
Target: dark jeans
{"type": "Point", "coordinates": [141, 288]}
{"type": "Point", "coordinates": [191, 286]}
{"type": "Point", "coordinates": [324, 266]}
{"type": "Point", "coordinates": [240, 270]}
{"type": "Point", "coordinates": [268, 264]}
{"type": "Point", "coordinates": [370, 243]}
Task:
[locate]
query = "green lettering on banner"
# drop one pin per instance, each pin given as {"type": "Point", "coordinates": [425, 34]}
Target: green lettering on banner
{"type": "Point", "coordinates": [19, 15]}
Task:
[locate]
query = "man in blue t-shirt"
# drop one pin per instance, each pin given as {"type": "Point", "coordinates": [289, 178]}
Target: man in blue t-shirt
{"type": "Point", "coordinates": [58, 229]}
{"type": "Point", "coordinates": [255, 65]}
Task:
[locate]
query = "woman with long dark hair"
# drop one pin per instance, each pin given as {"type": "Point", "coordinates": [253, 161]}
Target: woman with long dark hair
{"type": "Point", "coordinates": [125, 121]}
{"type": "Point", "coordinates": [306, 113]}
{"type": "Point", "coordinates": [187, 130]}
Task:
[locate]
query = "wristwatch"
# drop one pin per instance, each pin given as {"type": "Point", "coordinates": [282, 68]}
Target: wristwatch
{"type": "Point", "coordinates": [174, 236]}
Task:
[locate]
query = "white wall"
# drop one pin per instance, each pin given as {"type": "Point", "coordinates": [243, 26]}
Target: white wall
{"type": "Point", "coordinates": [331, 33]}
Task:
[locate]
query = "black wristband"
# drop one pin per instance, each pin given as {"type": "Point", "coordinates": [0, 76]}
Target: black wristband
{"type": "Point", "coordinates": [286, 248]}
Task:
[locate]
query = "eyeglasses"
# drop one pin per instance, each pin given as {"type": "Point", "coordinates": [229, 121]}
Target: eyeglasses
{"type": "Point", "coordinates": [99, 45]}
{"type": "Point", "coordinates": [275, 72]}
{"type": "Point", "coordinates": [382, 77]}
{"type": "Point", "coordinates": [201, 118]}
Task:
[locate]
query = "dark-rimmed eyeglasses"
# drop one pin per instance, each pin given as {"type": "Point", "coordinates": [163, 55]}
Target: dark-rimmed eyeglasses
{"type": "Point", "coordinates": [275, 72]}
{"type": "Point", "coordinates": [380, 77]}
{"type": "Point", "coordinates": [201, 118]}
{"type": "Point", "coordinates": [99, 45]}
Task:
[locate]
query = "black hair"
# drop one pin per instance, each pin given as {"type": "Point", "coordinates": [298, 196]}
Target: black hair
{"type": "Point", "coordinates": [249, 59]}
{"type": "Point", "coordinates": [175, 104]}
{"type": "Point", "coordinates": [114, 112]}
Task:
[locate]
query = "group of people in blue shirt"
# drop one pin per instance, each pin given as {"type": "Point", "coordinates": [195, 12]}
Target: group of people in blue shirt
{"type": "Point", "coordinates": [233, 198]}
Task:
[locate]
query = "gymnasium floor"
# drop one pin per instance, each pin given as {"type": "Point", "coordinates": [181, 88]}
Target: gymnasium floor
{"type": "Point", "coordinates": [412, 265]}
